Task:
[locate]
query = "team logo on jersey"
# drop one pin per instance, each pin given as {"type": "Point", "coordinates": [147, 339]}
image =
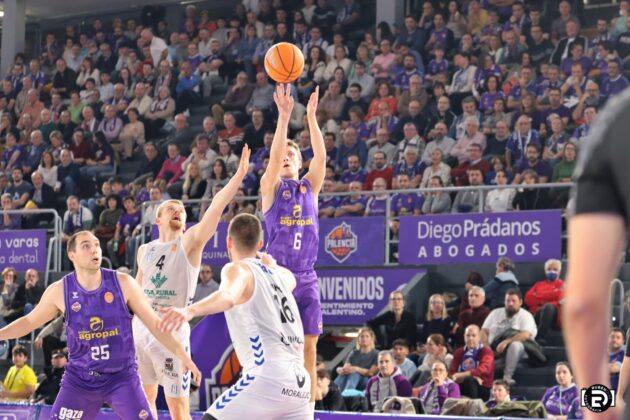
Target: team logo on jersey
{"type": "Point", "coordinates": [76, 307]}
{"type": "Point", "coordinates": [303, 189]}
{"type": "Point", "coordinates": [225, 374]}
{"type": "Point", "coordinates": [158, 280]}
{"type": "Point", "coordinates": [108, 297]}
{"type": "Point", "coordinates": [174, 248]}
{"type": "Point", "coordinates": [297, 211]}
{"type": "Point", "coordinates": [286, 194]}
{"type": "Point", "coordinates": [143, 414]}
{"type": "Point", "coordinates": [341, 242]}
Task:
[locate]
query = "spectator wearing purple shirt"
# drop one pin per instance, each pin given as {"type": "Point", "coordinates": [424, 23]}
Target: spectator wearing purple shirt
{"type": "Point", "coordinates": [405, 204]}
{"type": "Point", "coordinates": [354, 173]}
{"type": "Point", "coordinates": [111, 125]}
{"type": "Point", "coordinates": [402, 78]}
{"type": "Point", "coordinates": [518, 21]}
{"type": "Point", "coordinates": [354, 204]}
{"type": "Point", "coordinates": [487, 99]}
{"type": "Point", "coordinates": [377, 204]}
{"type": "Point", "coordinates": [612, 82]}
{"type": "Point", "coordinates": [556, 108]}
{"type": "Point", "coordinates": [525, 84]}
{"type": "Point", "coordinates": [590, 114]}
{"type": "Point", "coordinates": [194, 58]}
{"type": "Point", "coordinates": [576, 56]}
{"type": "Point", "coordinates": [519, 140]}
{"type": "Point", "coordinates": [351, 146]}
{"type": "Point", "coordinates": [411, 166]}
{"type": "Point", "coordinates": [101, 158]}
{"type": "Point", "coordinates": [327, 204]}
{"type": "Point", "coordinates": [9, 221]}
{"type": "Point", "coordinates": [575, 85]}
{"type": "Point", "coordinates": [263, 152]}
{"type": "Point", "coordinates": [440, 34]}
{"type": "Point", "coordinates": [437, 65]}
{"type": "Point", "coordinates": [532, 161]}
{"type": "Point", "coordinates": [486, 69]}
{"type": "Point", "coordinates": [14, 154]}
{"type": "Point", "coordinates": [129, 219]}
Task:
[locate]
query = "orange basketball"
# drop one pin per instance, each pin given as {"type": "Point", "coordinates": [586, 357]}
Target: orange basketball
{"type": "Point", "coordinates": [284, 62]}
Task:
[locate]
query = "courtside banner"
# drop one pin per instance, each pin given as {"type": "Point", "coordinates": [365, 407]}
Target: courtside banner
{"type": "Point", "coordinates": [525, 236]}
{"type": "Point", "coordinates": [23, 249]}
{"type": "Point", "coordinates": [353, 296]}
{"type": "Point", "coordinates": [349, 241]}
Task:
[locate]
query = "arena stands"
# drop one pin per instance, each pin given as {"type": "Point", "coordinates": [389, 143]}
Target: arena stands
{"type": "Point", "coordinates": [460, 109]}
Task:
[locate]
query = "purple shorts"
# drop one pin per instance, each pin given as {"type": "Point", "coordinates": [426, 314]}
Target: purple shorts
{"type": "Point", "coordinates": [79, 398]}
{"type": "Point", "coordinates": [306, 295]}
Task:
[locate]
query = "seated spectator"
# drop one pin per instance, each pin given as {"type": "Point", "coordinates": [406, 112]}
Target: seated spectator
{"type": "Point", "coordinates": [67, 174]}
{"type": "Point", "coordinates": [503, 281]}
{"type": "Point", "coordinates": [531, 198]}
{"type": "Point", "coordinates": [101, 157]}
{"type": "Point", "coordinates": [206, 284]}
{"type": "Point", "coordinates": [232, 133]}
{"type": "Point", "coordinates": [532, 162]}
{"type": "Point", "coordinates": [333, 101]}
{"type": "Point", "coordinates": [437, 320]}
{"type": "Point", "coordinates": [400, 351]}
{"type": "Point", "coordinates": [388, 382]}
{"type": "Point", "coordinates": [9, 288]}
{"type": "Point", "coordinates": [436, 202]}
{"type": "Point", "coordinates": [380, 169]}
{"type": "Point", "coordinates": [476, 314]}
{"type": "Point", "coordinates": [382, 144]}
{"type": "Point", "coordinates": [473, 160]}
{"type": "Point", "coordinates": [34, 152]}
{"type": "Point", "coordinates": [75, 219]}
{"type": "Point", "coordinates": [500, 393]}
{"type": "Point", "coordinates": [471, 135]}
{"type": "Point", "coordinates": [9, 221]}
{"type": "Point", "coordinates": [433, 394]}
{"type": "Point", "coordinates": [383, 95]}
{"type": "Point", "coordinates": [561, 398]}
{"type": "Point", "coordinates": [141, 101]}
{"type": "Point", "coordinates": [395, 324]}
{"type": "Point", "coordinates": [411, 139]}
{"type": "Point", "coordinates": [108, 219]}
{"type": "Point", "coordinates": [194, 184]}
{"type": "Point", "coordinates": [171, 170]}
{"type": "Point", "coordinates": [544, 299]}
{"type": "Point", "coordinates": [328, 203]}
{"type": "Point", "coordinates": [463, 78]}
{"type": "Point", "coordinates": [405, 204]}
{"type": "Point", "coordinates": [522, 137]}
{"type": "Point", "coordinates": [127, 222]}
{"type": "Point", "coordinates": [49, 388]}
{"type": "Point", "coordinates": [327, 394]}
{"type": "Point", "coordinates": [227, 156]}
{"type": "Point", "coordinates": [616, 354]}
{"type": "Point", "coordinates": [131, 136]}
{"type": "Point", "coordinates": [473, 365]}
{"type": "Point", "coordinates": [506, 329]}
{"type": "Point", "coordinates": [80, 147]}
{"type": "Point", "coordinates": [353, 204]}
{"type": "Point", "coordinates": [589, 116]}
{"type": "Point", "coordinates": [576, 55]}
{"type": "Point", "coordinates": [438, 139]}
{"type": "Point", "coordinates": [438, 169]}
{"type": "Point", "coordinates": [14, 154]}
{"type": "Point", "coordinates": [555, 142]}
{"type": "Point", "coordinates": [187, 88]}
{"type": "Point", "coordinates": [162, 108]}
{"type": "Point", "coordinates": [360, 364]}
{"type": "Point", "coordinates": [563, 173]}
{"type": "Point", "coordinates": [21, 191]}
{"type": "Point", "coordinates": [383, 61]}
{"type": "Point", "coordinates": [613, 82]}
{"type": "Point", "coordinates": [20, 382]}
{"type": "Point", "coordinates": [435, 349]}
{"type": "Point", "coordinates": [90, 122]}
{"type": "Point", "coordinates": [468, 201]}
{"type": "Point", "coordinates": [236, 98]}
{"type": "Point", "coordinates": [48, 169]}
{"type": "Point", "coordinates": [313, 72]}
{"type": "Point", "coordinates": [500, 199]}
{"type": "Point", "coordinates": [150, 164]}
{"type": "Point", "coordinates": [410, 166]}
{"type": "Point", "coordinates": [28, 294]}
{"type": "Point", "coordinates": [254, 131]}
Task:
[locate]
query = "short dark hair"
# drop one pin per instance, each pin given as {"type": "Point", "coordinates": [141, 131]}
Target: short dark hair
{"type": "Point", "coordinates": [501, 382]}
{"type": "Point", "coordinates": [619, 330]}
{"type": "Point", "coordinates": [323, 373]}
{"type": "Point", "coordinates": [400, 342]}
{"type": "Point", "coordinates": [514, 292]}
{"type": "Point", "coordinates": [246, 231]}
{"type": "Point", "coordinates": [72, 242]}
{"type": "Point", "coordinates": [19, 349]}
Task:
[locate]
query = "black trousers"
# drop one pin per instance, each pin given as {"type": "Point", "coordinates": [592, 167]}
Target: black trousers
{"type": "Point", "coordinates": [546, 319]}
{"type": "Point", "coordinates": [471, 389]}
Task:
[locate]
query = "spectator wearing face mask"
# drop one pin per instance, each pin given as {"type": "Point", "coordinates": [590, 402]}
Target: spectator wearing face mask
{"type": "Point", "coordinates": [545, 297]}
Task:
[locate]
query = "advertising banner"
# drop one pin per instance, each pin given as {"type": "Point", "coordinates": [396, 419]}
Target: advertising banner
{"type": "Point", "coordinates": [523, 236]}
{"type": "Point", "coordinates": [351, 241]}
{"type": "Point", "coordinates": [215, 252]}
{"type": "Point", "coordinates": [23, 249]}
{"type": "Point", "coordinates": [353, 296]}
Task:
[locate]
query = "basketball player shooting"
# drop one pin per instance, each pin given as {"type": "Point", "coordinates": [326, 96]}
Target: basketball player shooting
{"type": "Point", "coordinates": [168, 269]}
{"type": "Point", "coordinates": [265, 328]}
{"type": "Point", "coordinates": [289, 205]}
{"type": "Point", "coordinates": [96, 304]}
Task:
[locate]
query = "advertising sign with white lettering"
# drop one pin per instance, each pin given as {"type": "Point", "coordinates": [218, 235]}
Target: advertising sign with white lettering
{"type": "Point", "coordinates": [23, 249]}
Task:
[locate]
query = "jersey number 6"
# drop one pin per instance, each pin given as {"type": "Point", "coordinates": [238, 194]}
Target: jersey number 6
{"type": "Point", "coordinates": [297, 241]}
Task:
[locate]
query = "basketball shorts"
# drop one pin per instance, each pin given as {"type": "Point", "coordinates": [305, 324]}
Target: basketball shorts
{"type": "Point", "coordinates": [157, 365]}
{"type": "Point", "coordinates": [306, 295]}
{"type": "Point", "coordinates": [83, 394]}
{"type": "Point", "coordinates": [279, 392]}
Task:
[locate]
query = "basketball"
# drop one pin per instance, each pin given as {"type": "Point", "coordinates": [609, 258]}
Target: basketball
{"type": "Point", "coordinates": [284, 62]}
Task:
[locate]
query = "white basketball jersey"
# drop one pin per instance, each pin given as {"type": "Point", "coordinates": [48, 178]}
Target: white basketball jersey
{"type": "Point", "coordinates": [267, 328]}
{"type": "Point", "coordinates": [168, 278]}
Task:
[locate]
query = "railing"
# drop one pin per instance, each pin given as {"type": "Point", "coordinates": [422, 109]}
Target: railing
{"type": "Point", "coordinates": [390, 194]}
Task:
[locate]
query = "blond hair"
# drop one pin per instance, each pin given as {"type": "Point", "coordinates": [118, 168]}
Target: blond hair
{"type": "Point", "coordinates": [444, 313]}
{"type": "Point", "coordinates": [165, 203]}
{"type": "Point", "coordinates": [371, 333]}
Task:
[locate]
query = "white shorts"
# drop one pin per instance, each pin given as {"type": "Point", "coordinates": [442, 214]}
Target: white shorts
{"type": "Point", "coordinates": [285, 396]}
{"type": "Point", "coordinates": [157, 365]}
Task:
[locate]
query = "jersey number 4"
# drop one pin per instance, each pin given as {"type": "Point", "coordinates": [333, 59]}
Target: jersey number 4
{"type": "Point", "coordinates": [286, 315]}
{"type": "Point", "coordinates": [100, 352]}
{"type": "Point", "coordinates": [160, 263]}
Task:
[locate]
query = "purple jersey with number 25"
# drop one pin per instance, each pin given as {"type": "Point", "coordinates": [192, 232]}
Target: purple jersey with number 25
{"type": "Point", "coordinates": [292, 226]}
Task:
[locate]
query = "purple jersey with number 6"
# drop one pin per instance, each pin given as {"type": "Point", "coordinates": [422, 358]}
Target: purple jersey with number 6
{"type": "Point", "coordinates": [98, 324]}
{"type": "Point", "coordinates": [292, 226]}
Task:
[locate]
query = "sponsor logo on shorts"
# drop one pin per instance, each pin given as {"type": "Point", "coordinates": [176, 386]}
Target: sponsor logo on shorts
{"type": "Point", "coordinates": [69, 414]}
{"type": "Point", "coordinates": [341, 242]}
{"type": "Point", "coordinates": [109, 297]}
{"type": "Point", "coordinates": [76, 306]}
{"type": "Point", "coordinates": [143, 414]}
{"type": "Point", "coordinates": [300, 377]}
{"type": "Point", "coordinates": [294, 393]}
{"type": "Point", "coordinates": [98, 330]}
{"type": "Point", "coordinates": [169, 369]}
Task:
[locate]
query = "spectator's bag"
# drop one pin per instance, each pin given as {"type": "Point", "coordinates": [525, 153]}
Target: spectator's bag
{"type": "Point", "coordinates": [464, 407]}
{"type": "Point", "coordinates": [521, 409]}
{"type": "Point", "coordinates": [400, 405]}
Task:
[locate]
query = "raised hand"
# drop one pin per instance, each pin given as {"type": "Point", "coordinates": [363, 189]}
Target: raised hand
{"type": "Point", "coordinates": [243, 165]}
{"type": "Point", "coordinates": [284, 100]}
{"type": "Point", "coordinates": [267, 259]}
{"type": "Point", "coordinates": [311, 107]}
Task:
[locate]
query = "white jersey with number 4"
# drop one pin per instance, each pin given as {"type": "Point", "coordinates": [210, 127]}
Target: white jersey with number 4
{"type": "Point", "coordinates": [168, 278]}
{"type": "Point", "coordinates": [267, 328]}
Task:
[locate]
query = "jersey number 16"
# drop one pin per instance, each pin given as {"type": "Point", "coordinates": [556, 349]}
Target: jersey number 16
{"type": "Point", "coordinates": [286, 315]}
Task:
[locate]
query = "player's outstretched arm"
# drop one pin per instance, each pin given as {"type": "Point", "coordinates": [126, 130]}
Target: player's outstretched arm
{"type": "Point", "coordinates": [140, 306]}
{"type": "Point", "coordinates": [236, 287]}
{"type": "Point", "coordinates": [595, 243]}
{"type": "Point", "coordinates": [286, 275]}
{"type": "Point", "coordinates": [317, 169]}
{"type": "Point", "coordinates": [196, 237]}
{"type": "Point", "coordinates": [271, 177]}
{"type": "Point", "coordinates": [47, 309]}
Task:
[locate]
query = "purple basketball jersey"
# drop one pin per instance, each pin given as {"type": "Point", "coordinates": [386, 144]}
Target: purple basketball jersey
{"type": "Point", "coordinates": [98, 325]}
{"type": "Point", "coordinates": [292, 226]}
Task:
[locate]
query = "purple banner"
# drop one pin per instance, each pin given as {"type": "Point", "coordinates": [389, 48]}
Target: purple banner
{"type": "Point", "coordinates": [44, 412]}
{"type": "Point", "coordinates": [343, 241]}
{"type": "Point", "coordinates": [214, 354]}
{"type": "Point", "coordinates": [353, 296]}
{"type": "Point", "coordinates": [351, 241]}
{"type": "Point", "coordinates": [477, 238]}
{"type": "Point", "coordinates": [23, 249]}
